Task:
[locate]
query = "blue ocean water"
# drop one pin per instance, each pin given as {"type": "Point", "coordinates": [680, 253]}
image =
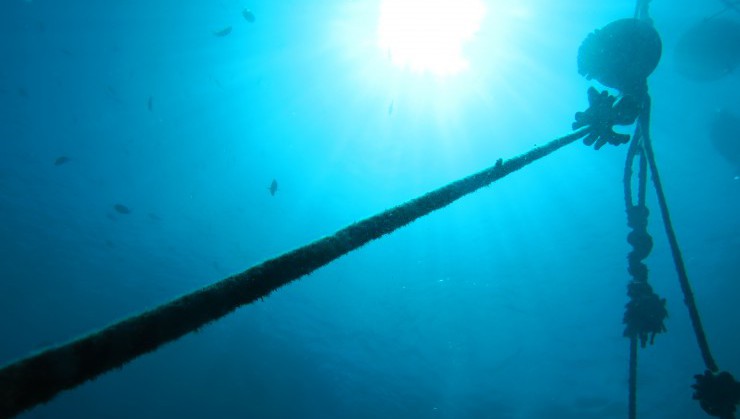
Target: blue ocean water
{"type": "Point", "coordinates": [506, 304]}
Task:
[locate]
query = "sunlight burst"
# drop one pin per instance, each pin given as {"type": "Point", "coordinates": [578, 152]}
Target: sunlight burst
{"type": "Point", "coordinates": [428, 35]}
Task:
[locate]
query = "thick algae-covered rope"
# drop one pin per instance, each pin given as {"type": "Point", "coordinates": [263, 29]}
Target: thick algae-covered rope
{"type": "Point", "coordinates": [39, 377]}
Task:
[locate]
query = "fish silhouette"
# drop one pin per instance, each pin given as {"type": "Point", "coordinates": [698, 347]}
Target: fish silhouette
{"type": "Point", "coordinates": [150, 103]}
{"type": "Point", "coordinates": [273, 187]}
{"type": "Point", "coordinates": [61, 160]}
{"type": "Point", "coordinates": [248, 15]}
{"type": "Point", "coordinates": [122, 209]}
{"type": "Point", "coordinates": [223, 32]}
{"type": "Point", "coordinates": [112, 93]}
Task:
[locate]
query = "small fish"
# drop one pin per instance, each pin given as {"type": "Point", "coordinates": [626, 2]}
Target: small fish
{"type": "Point", "coordinates": [273, 187]}
{"type": "Point", "coordinates": [61, 160]}
{"type": "Point", "coordinates": [150, 103]}
{"type": "Point", "coordinates": [112, 93]}
{"type": "Point", "coordinates": [154, 217]}
{"type": "Point", "coordinates": [22, 92]}
{"type": "Point", "coordinates": [390, 107]}
{"type": "Point", "coordinates": [122, 209]}
{"type": "Point", "coordinates": [248, 15]}
{"type": "Point", "coordinates": [223, 32]}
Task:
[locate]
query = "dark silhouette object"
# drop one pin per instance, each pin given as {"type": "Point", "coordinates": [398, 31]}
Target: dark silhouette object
{"type": "Point", "coordinates": [248, 15]}
{"type": "Point", "coordinates": [731, 5]}
{"type": "Point", "coordinates": [61, 160]}
{"type": "Point", "coordinates": [717, 393]}
{"type": "Point", "coordinates": [621, 55]}
{"type": "Point", "coordinates": [223, 32]}
{"type": "Point", "coordinates": [724, 131]}
{"type": "Point", "coordinates": [273, 187]}
{"type": "Point", "coordinates": [122, 209]}
{"type": "Point", "coordinates": [709, 50]}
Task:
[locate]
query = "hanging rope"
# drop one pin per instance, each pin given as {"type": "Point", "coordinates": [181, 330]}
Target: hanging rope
{"type": "Point", "coordinates": [645, 312]}
{"type": "Point", "coordinates": [38, 378]}
{"type": "Point", "coordinates": [632, 412]}
{"type": "Point", "coordinates": [633, 265]}
{"type": "Point", "coordinates": [717, 393]}
{"type": "Point", "coordinates": [622, 55]}
{"type": "Point", "coordinates": [673, 242]}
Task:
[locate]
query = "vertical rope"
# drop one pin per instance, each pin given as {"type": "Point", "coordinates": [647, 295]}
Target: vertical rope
{"type": "Point", "coordinates": [635, 149]}
{"type": "Point", "coordinates": [673, 241]}
{"type": "Point", "coordinates": [632, 152]}
{"type": "Point", "coordinates": [633, 379]}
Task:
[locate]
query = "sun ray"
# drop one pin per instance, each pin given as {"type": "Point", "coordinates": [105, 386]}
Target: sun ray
{"type": "Point", "coordinates": [429, 36]}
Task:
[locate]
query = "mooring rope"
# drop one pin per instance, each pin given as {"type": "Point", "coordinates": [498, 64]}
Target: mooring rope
{"type": "Point", "coordinates": [39, 377]}
{"type": "Point", "coordinates": [632, 405]}
{"type": "Point", "coordinates": [633, 151]}
{"type": "Point", "coordinates": [683, 277]}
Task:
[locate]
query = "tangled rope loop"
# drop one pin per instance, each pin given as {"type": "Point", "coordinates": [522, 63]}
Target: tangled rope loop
{"type": "Point", "coordinates": [645, 313]}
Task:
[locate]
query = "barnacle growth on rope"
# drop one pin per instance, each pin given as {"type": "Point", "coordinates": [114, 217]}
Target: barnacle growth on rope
{"type": "Point", "coordinates": [717, 393]}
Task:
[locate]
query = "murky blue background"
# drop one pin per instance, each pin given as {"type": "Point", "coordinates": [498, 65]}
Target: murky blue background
{"type": "Point", "coordinates": [507, 304]}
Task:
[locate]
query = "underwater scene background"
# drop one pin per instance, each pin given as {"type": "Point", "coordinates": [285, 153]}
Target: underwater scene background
{"type": "Point", "coordinates": [139, 142]}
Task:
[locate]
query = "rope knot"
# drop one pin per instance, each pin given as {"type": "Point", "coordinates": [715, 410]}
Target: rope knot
{"type": "Point", "coordinates": [637, 216]}
{"type": "Point", "coordinates": [640, 240]}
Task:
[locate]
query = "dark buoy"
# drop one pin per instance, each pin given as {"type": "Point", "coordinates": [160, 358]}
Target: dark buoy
{"type": "Point", "coordinates": [724, 131]}
{"type": "Point", "coordinates": [621, 55]}
{"type": "Point", "coordinates": [710, 50]}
